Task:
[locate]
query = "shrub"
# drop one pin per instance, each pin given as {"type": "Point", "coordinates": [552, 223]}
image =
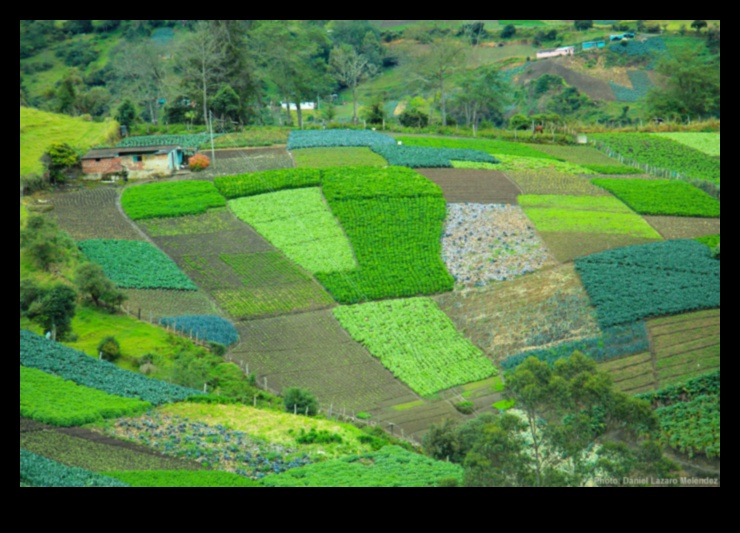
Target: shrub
{"type": "Point", "coordinates": [110, 349]}
{"type": "Point", "coordinates": [58, 159]}
{"type": "Point", "coordinates": [199, 162]}
{"type": "Point", "coordinates": [466, 407]}
{"type": "Point", "coordinates": [318, 437]}
{"type": "Point", "coordinates": [301, 401]}
{"type": "Point", "coordinates": [414, 118]}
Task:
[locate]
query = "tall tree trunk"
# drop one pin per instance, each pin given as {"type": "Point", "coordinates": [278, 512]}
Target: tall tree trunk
{"type": "Point", "coordinates": [354, 99]}
{"type": "Point", "coordinates": [443, 101]}
{"type": "Point", "coordinates": [205, 93]}
{"type": "Point", "coordinates": [537, 458]}
{"type": "Point", "coordinates": [299, 112]}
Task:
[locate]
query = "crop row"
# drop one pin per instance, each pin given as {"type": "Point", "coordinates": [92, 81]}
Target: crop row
{"type": "Point", "coordinates": [708, 143]}
{"type": "Point", "coordinates": [299, 223]}
{"type": "Point", "coordinates": [170, 199]}
{"type": "Point", "coordinates": [368, 183]}
{"type": "Point", "coordinates": [422, 157]}
{"type": "Point", "coordinates": [397, 243]}
{"type": "Point", "coordinates": [492, 147]}
{"type": "Point", "coordinates": [551, 182]}
{"type": "Point", "coordinates": [136, 265]}
{"type": "Point", "coordinates": [38, 471]}
{"type": "Point", "coordinates": [182, 478]}
{"type": "Point", "coordinates": [706, 385]}
{"type": "Point", "coordinates": [655, 45]}
{"type": "Point", "coordinates": [337, 138]}
{"type": "Point", "coordinates": [649, 149]}
{"type": "Point", "coordinates": [417, 342]}
{"type": "Point", "coordinates": [614, 342]}
{"type": "Point", "coordinates": [514, 162]}
{"type": "Point", "coordinates": [692, 427]}
{"type": "Point", "coordinates": [52, 400]}
{"type": "Point", "coordinates": [662, 197]}
{"type": "Point", "coordinates": [637, 282]}
{"type": "Point", "coordinates": [641, 85]}
{"type": "Point", "coordinates": [390, 467]}
{"type": "Point", "coordinates": [270, 181]}
{"type": "Point", "coordinates": [208, 327]}
{"type": "Point", "coordinates": [51, 357]}
{"type": "Point", "coordinates": [191, 142]}
{"type": "Point", "coordinates": [337, 157]}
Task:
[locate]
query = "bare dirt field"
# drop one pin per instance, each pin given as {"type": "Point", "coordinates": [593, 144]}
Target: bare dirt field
{"type": "Point", "coordinates": [473, 186]}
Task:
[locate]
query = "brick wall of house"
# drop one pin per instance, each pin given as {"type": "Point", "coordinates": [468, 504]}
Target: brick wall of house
{"type": "Point", "coordinates": [104, 166]}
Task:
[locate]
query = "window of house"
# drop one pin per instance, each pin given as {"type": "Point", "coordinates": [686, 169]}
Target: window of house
{"type": "Point", "coordinates": [137, 159]}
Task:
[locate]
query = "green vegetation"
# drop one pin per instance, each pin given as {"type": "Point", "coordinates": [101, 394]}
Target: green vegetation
{"type": "Point", "coordinates": [367, 183]}
{"type": "Point", "coordinates": [136, 265]}
{"type": "Point", "coordinates": [417, 342]}
{"type": "Point", "coordinates": [51, 357]}
{"type": "Point", "coordinates": [390, 467]}
{"type": "Point", "coordinates": [705, 385]}
{"type": "Point", "coordinates": [514, 162]}
{"type": "Point", "coordinates": [204, 327]}
{"type": "Point", "coordinates": [337, 157]}
{"type": "Point", "coordinates": [637, 282]}
{"type": "Point", "coordinates": [662, 197]}
{"type": "Point", "coordinates": [170, 199]}
{"type": "Point", "coordinates": [299, 223]}
{"type": "Point", "coordinates": [495, 148]}
{"type": "Point", "coordinates": [252, 136]}
{"type": "Point", "coordinates": [184, 478]}
{"type": "Point", "coordinates": [648, 149]}
{"type": "Point", "coordinates": [213, 221]}
{"type": "Point", "coordinates": [337, 138]}
{"type": "Point", "coordinates": [38, 471]}
{"type": "Point", "coordinates": [577, 155]}
{"type": "Point", "coordinates": [710, 240]}
{"type": "Point", "coordinates": [52, 400]}
{"type": "Point", "coordinates": [300, 401]}
{"type": "Point", "coordinates": [551, 182]}
{"type": "Point", "coordinates": [584, 214]}
{"type": "Point", "coordinates": [264, 182]}
{"type": "Point", "coordinates": [422, 157]}
{"type": "Point", "coordinates": [614, 342]}
{"type": "Point", "coordinates": [693, 427]}
{"type": "Point", "coordinates": [613, 169]}
{"type": "Point", "coordinates": [191, 142]}
{"type": "Point", "coordinates": [39, 129]}
{"type": "Point", "coordinates": [708, 143]}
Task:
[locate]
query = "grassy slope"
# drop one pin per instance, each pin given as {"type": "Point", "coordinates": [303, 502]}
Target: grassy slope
{"type": "Point", "coordinates": [39, 129]}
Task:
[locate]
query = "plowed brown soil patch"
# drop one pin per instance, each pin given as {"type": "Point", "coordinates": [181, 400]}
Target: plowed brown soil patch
{"type": "Point", "coordinates": [473, 186]}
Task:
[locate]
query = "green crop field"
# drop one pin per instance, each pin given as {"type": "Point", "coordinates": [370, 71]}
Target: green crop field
{"type": "Point", "coordinates": [708, 143]}
{"type": "Point", "coordinates": [662, 197]}
{"type": "Point", "coordinates": [337, 157]}
{"type": "Point", "coordinates": [171, 199]}
{"type": "Point", "coordinates": [495, 148]}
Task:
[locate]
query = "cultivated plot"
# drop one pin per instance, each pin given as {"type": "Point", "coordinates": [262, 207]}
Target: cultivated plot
{"type": "Point", "coordinates": [473, 186]}
{"type": "Point", "coordinates": [534, 311]}
{"type": "Point", "coordinates": [487, 243]}
{"type": "Point", "coordinates": [554, 182]}
{"type": "Point", "coordinates": [311, 350]}
{"type": "Point", "coordinates": [337, 157]}
{"type": "Point", "coordinates": [513, 162]}
{"type": "Point", "coordinates": [684, 227]}
{"type": "Point", "coordinates": [93, 214]}
{"type": "Point", "coordinates": [634, 374]}
{"type": "Point", "coordinates": [241, 161]}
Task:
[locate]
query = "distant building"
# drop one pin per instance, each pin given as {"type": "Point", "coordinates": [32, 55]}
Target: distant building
{"type": "Point", "coordinates": [134, 162]}
{"type": "Point", "coordinates": [305, 106]}
{"type": "Point", "coordinates": [556, 52]}
{"type": "Point", "coordinates": [594, 44]}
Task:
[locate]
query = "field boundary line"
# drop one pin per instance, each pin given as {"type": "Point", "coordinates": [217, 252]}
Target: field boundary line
{"type": "Point", "coordinates": [653, 359]}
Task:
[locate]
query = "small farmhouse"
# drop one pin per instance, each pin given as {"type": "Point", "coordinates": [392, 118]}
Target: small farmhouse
{"type": "Point", "coordinates": [556, 52]}
{"type": "Point", "coordinates": [133, 162]}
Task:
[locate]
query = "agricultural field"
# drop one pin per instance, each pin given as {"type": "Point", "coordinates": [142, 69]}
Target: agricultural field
{"type": "Point", "coordinates": [312, 351]}
{"type": "Point", "coordinates": [53, 358]}
{"type": "Point", "coordinates": [136, 265]}
{"type": "Point", "coordinates": [38, 471]}
{"type": "Point", "coordinates": [424, 157]}
{"type": "Point", "coordinates": [265, 182]}
{"type": "Point", "coordinates": [494, 148]}
{"type": "Point", "coordinates": [686, 345]}
{"type": "Point", "coordinates": [537, 310]}
{"type": "Point", "coordinates": [52, 400]}
{"type": "Point", "coordinates": [299, 223]}
{"type": "Point", "coordinates": [39, 129]}
{"type": "Point", "coordinates": [390, 467]}
{"type": "Point", "coordinates": [632, 374]}
{"type": "Point", "coordinates": [170, 199]}
{"type": "Point", "coordinates": [189, 141]}
{"type": "Point", "coordinates": [650, 280]}
{"type": "Point", "coordinates": [337, 157]}
{"type": "Point", "coordinates": [483, 244]}
{"type": "Point", "coordinates": [417, 342]}
{"type": "Point", "coordinates": [182, 478]}
{"type": "Point", "coordinates": [337, 138]}
{"type": "Point", "coordinates": [156, 304]}
{"type": "Point", "coordinates": [578, 155]}
{"type": "Point", "coordinates": [708, 143]}
{"type": "Point", "coordinates": [204, 327]}
{"type": "Point", "coordinates": [573, 226]}
{"type": "Point", "coordinates": [662, 197]}
{"type": "Point", "coordinates": [514, 162]}
{"type": "Point", "coordinates": [241, 161]}
{"type": "Point", "coordinates": [92, 214]}
{"type": "Point", "coordinates": [554, 182]}
{"type": "Point", "coordinates": [663, 153]}
{"type": "Point", "coordinates": [253, 137]}
{"type": "Point", "coordinates": [462, 186]}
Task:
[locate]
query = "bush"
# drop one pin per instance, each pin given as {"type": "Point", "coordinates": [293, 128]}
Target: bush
{"type": "Point", "coordinates": [508, 32]}
{"type": "Point", "coordinates": [318, 437]}
{"type": "Point", "coordinates": [58, 159]}
{"type": "Point", "coordinates": [110, 349]}
{"type": "Point", "coordinates": [466, 407]}
{"type": "Point", "coordinates": [414, 118]}
{"type": "Point", "coordinates": [199, 162]}
{"type": "Point", "coordinates": [300, 401]}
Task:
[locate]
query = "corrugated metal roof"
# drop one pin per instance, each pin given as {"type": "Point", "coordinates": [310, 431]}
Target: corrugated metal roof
{"type": "Point", "coordinates": [108, 153]}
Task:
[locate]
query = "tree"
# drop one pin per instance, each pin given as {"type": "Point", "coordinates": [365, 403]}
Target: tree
{"type": "Point", "coordinates": [375, 112]}
{"type": "Point", "coordinates": [698, 25]}
{"type": "Point", "coordinates": [583, 25]}
{"type": "Point", "coordinates": [435, 68]}
{"type": "Point", "coordinates": [53, 308]}
{"type": "Point", "coordinates": [351, 69]}
{"type": "Point", "coordinates": [43, 243]}
{"type": "Point", "coordinates": [126, 114]}
{"type": "Point", "coordinates": [301, 401]}
{"type": "Point", "coordinates": [691, 87]}
{"type": "Point", "coordinates": [226, 104]}
{"type": "Point", "coordinates": [91, 281]}
{"type": "Point", "coordinates": [110, 349]}
{"type": "Point", "coordinates": [508, 32]}
{"type": "Point", "coordinates": [482, 94]}
{"type": "Point", "coordinates": [58, 159]}
{"type": "Point", "coordinates": [560, 432]}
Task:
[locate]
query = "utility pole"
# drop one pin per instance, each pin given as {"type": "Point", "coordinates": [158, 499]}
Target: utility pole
{"type": "Point", "coordinates": [213, 147]}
